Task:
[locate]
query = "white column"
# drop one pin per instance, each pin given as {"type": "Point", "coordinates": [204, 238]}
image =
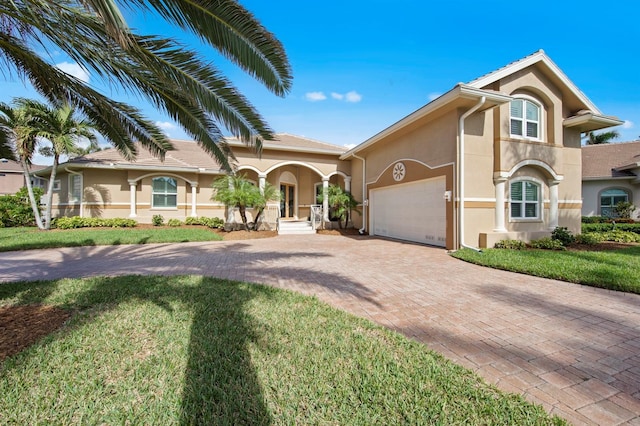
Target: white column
{"type": "Point", "coordinates": [325, 199]}
{"type": "Point", "coordinates": [553, 205]}
{"type": "Point", "coordinates": [347, 183]}
{"type": "Point", "coordinates": [499, 183]}
{"type": "Point", "coordinates": [132, 199]}
{"type": "Point", "coordinates": [261, 181]}
{"type": "Point", "coordinates": [194, 187]}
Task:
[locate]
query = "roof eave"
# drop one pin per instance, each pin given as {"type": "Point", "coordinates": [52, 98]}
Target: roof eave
{"type": "Point", "coordinates": [460, 91]}
{"type": "Point", "coordinates": [128, 166]}
{"type": "Point", "coordinates": [590, 121]}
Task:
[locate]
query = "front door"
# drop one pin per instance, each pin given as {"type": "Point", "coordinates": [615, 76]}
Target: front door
{"type": "Point", "coordinates": [287, 200]}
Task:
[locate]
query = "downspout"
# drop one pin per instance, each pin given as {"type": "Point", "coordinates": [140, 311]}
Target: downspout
{"type": "Point", "coordinates": [461, 171]}
{"type": "Point", "coordinates": [71, 172]}
{"type": "Point", "coordinates": [365, 201]}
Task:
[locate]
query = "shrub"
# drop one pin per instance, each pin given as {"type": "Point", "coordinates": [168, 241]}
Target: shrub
{"type": "Point", "coordinates": [211, 222]}
{"type": "Point", "coordinates": [594, 219]}
{"type": "Point", "coordinates": [590, 238]}
{"type": "Point", "coordinates": [624, 209]}
{"type": "Point", "coordinates": [174, 222]}
{"type": "Point", "coordinates": [15, 210]}
{"type": "Point", "coordinates": [620, 236]}
{"type": "Point", "coordinates": [92, 222]}
{"type": "Point", "coordinates": [604, 227]}
{"type": "Point", "coordinates": [510, 244]}
{"type": "Point", "coordinates": [192, 221]}
{"type": "Point", "coordinates": [157, 220]}
{"type": "Point", "coordinates": [563, 235]}
{"type": "Point", "coordinates": [547, 243]}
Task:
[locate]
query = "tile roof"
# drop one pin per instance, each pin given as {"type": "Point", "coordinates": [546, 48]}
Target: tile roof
{"type": "Point", "coordinates": [599, 161]}
{"type": "Point", "coordinates": [14, 166]}
{"type": "Point", "coordinates": [188, 154]}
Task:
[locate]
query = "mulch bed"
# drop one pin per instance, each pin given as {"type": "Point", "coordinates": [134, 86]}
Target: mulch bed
{"type": "Point", "coordinates": [603, 246]}
{"type": "Point", "coordinates": [21, 326]}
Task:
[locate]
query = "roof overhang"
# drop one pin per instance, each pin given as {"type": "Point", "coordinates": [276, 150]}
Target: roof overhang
{"type": "Point", "coordinates": [129, 166]}
{"type": "Point", "coordinates": [458, 94]}
{"type": "Point", "coordinates": [274, 147]}
{"type": "Point", "coordinates": [589, 121]}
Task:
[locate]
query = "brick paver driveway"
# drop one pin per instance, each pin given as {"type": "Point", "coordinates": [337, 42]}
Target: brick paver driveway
{"type": "Point", "coordinates": [573, 349]}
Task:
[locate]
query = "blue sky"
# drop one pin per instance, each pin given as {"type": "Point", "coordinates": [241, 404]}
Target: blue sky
{"type": "Point", "coordinates": [360, 66]}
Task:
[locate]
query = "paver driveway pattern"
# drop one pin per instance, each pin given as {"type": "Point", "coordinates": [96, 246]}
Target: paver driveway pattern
{"type": "Point", "coordinates": [573, 349]}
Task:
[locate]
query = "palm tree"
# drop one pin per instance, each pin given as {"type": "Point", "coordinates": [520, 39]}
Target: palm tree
{"type": "Point", "coordinates": [601, 138]}
{"type": "Point", "coordinates": [236, 191]}
{"type": "Point", "coordinates": [269, 193]}
{"type": "Point", "coordinates": [63, 130]}
{"type": "Point", "coordinates": [174, 79]}
{"type": "Point", "coordinates": [341, 203]}
{"type": "Point", "coordinates": [18, 138]}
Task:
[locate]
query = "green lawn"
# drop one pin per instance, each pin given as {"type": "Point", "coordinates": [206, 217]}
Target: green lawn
{"type": "Point", "coordinates": [615, 270]}
{"type": "Point", "coordinates": [194, 350]}
{"type": "Point", "coordinates": [32, 238]}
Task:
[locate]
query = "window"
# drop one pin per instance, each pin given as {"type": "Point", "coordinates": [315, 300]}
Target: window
{"type": "Point", "coordinates": [525, 196]}
{"type": "Point", "coordinates": [608, 200]}
{"type": "Point", "coordinates": [525, 119]}
{"type": "Point", "coordinates": [164, 192]}
{"type": "Point", "coordinates": [75, 188]}
{"type": "Point", "coordinates": [318, 191]}
{"type": "Point", "coordinates": [56, 185]}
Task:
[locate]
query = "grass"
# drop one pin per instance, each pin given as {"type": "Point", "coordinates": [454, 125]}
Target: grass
{"type": "Point", "coordinates": [32, 238]}
{"type": "Point", "coordinates": [194, 350]}
{"type": "Point", "coordinates": [614, 270]}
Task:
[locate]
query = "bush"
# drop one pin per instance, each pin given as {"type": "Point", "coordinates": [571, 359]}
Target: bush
{"type": "Point", "coordinates": [590, 238]}
{"type": "Point", "coordinates": [620, 236]}
{"type": "Point", "coordinates": [605, 227]}
{"type": "Point", "coordinates": [174, 222]}
{"type": "Point", "coordinates": [563, 235]}
{"type": "Point", "coordinates": [594, 219]}
{"type": "Point", "coordinates": [92, 222]}
{"type": "Point", "coordinates": [211, 222]}
{"type": "Point", "coordinates": [547, 243]}
{"type": "Point", "coordinates": [15, 210]}
{"type": "Point", "coordinates": [157, 220]}
{"type": "Point", "coordinates": [192, 221]}
{"type": "Point", "coordinates": [510, 244]}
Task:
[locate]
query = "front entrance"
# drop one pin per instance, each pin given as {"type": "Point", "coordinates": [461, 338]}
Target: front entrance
{"type": "Point", "coordinates": [287, 200]}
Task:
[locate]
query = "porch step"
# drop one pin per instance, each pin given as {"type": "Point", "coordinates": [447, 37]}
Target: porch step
{"type": "Point", "coordinates": [295, 227]}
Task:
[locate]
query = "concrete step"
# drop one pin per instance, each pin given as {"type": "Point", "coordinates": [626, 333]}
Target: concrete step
{"type": "Point", "coordinates": [289, 227]}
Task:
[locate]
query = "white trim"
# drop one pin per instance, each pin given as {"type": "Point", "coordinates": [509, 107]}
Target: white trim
{"type": "Point", "coordinates": [247, 167]}
{"type": "Point", "coordinates": [162, 174]}
{"type": "Point", "coordinates": [72, 198]}
{"type": "Point", "coordinates": [540, 201]}
{"type": "Point", "coordinates": [524, 163]}
{"type": "Point", "coordinates": [153, 207]}
{"type": "Point", "coordinates": [408, 159]}
{"type": "Point", "coordinates": [295, 163]}
{"type": "Point", "coordinates": [480, 200]}
{"type": "Point", "coordinates": [526, 98]}
{"type": "Point", "coordinates": [56, 185]}
{"type": "Point", "coordinates": [338, 172]}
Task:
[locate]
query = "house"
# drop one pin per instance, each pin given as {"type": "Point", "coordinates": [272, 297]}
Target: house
{"type": "Point", "coordinates": [12, 176]}
{"type": "Point", "coordinates": [496, 158]}
{"type": "Point", "coordinates": [610, 174]}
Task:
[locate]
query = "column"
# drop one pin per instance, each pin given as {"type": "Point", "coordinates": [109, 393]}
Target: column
{"type": "Point", "coordinates": [553, 205]}
{"type": "Point", "coordinates": [132, 198]}
{"type": "Point", "coordinates": [325, 199]}
{"type": "Point", "coordinates": [194, 187]}
{"type": "Point", "coordinates": [261, 180]}
{"type": "Point", "coordinates": [499, 183]}
{"type": "Point", "coordinates": [347, 183]}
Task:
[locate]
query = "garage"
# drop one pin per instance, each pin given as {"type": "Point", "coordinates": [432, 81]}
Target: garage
{"type": "Point", "coordinates": [414, 211]}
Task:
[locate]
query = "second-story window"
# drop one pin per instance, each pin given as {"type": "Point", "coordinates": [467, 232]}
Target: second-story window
{"type": "Point", "coordinates": [525, 119]}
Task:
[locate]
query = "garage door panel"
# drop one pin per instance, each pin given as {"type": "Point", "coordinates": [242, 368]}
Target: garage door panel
{"type": "Point", "coordinates": [412, 212]}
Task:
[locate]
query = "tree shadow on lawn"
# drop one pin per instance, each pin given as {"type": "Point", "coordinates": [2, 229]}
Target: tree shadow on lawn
{"type": "Point", "coordinates": [220, 384]}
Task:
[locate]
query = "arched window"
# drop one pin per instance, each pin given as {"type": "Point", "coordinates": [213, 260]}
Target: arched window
{"type": "Point", "coordinates": [525, 119]}
{"type": "Point", "coordinates": [608, 200]}
{"type": "Point", "coordinates": [524, 200]}
{"type": "Point", "coordinates": [164, 192]}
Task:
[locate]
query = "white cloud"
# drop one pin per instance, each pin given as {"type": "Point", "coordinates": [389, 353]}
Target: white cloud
{"type": "Point", "coordinates": [350, 145]}
{"type": "Point", "coordinates": [338, 96]}
{"type": "Point", "coordinates": [166, 126]}
{"type": "Point", "coordinates": [433, 96]}
{"type": "Point", "coordinates": [353, 96]}
{"type": "Point", "coordinates": [75, 70]}
{"type": "Point", "coordinates": [627, 124]}
{"type": "Point", "coordinates": [315, 96]}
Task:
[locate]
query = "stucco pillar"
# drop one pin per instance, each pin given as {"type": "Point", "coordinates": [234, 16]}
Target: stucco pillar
{"type": "Point", "coordinates": [553, 204]}
{"type": "Point", "coordinates": [261, 182]}
{"type": "Point", "coordinates": [347, 183]}
{"type": "Point", "coordinates": [132, 198]}
{"type": "Point", "coordinates": [325, 199]}
{"type": "Point", "coordinates": [194, 187]}
{"type": "Point", "coordinates": [499, 183]}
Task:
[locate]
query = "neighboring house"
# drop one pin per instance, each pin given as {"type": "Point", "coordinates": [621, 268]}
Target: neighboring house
{"type": "Point", "coordinates": [12, 177]}
{"type": "Point", "coordinates": [610, 174]}
{"type": "Point", "coordinates": [497, 158]}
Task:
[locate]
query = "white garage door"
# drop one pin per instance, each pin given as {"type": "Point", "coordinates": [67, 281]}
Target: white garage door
{"type": "Point", "coordinates": [413, 211]}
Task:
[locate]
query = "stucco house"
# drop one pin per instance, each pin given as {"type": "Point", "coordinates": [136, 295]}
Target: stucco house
{"type": "Point", "coordinates": [610, 174]}
{"type": "Point", "coordinates": [12, 176]}
{"type": "Point", "coordinates": [496, 158]}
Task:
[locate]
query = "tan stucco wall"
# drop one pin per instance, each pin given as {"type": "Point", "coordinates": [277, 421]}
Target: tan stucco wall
{"type": "Point", "coordinates": [10, 183]}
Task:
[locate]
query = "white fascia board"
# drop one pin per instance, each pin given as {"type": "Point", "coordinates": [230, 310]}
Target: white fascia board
{"type": "Point", "coordinates": [592, 121]}
{"type": "Point", "coordinates": [597, 178]}
{"type": "Point", "coordinates": [459, 91]}
{"type": "Point", "coordinates": [119, 166]}
{"type": "Point", "coordinates": [539, 56]}
{"type": "Point", "coordinates": [288, 148]}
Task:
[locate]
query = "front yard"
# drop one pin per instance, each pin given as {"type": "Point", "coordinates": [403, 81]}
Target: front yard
{"type": "Point", "coordinates": [194, 350]}
{"type": "Point", "coordinates": [614, 269]}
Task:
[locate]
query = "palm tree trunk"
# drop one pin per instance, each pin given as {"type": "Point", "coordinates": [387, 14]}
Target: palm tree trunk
{"type": "Point", "coordinates": [52, 179]}
{"type": "Point", "coordinates": [255, 220]}
{"type": "Point", "coordinates": [243, 215]}
{"type": "Point", "coordinates": [32, 197]}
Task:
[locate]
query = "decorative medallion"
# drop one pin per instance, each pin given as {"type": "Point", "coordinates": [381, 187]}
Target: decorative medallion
{"type": "Point", "coordinates": [399, 171]}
